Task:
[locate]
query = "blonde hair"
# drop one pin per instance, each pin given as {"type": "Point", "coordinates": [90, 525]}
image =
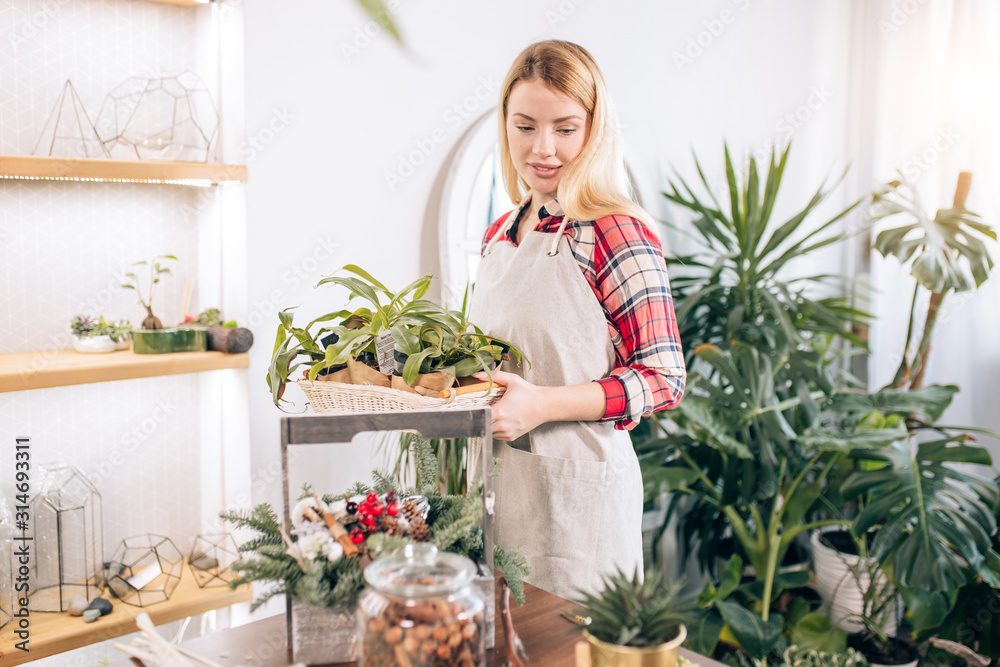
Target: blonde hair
{"type": "Point", "coordinates": [595, 184]}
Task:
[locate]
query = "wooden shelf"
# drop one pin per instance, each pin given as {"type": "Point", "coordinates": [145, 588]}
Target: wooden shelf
{"type": "Point", "coordinates": [60, 368]}
{"type": "Point", "coordinates": [182, 3]}
{"type": "Point", "coordinates": [118, 171]}
{"type": "Point", "coordinates": [52, 633]}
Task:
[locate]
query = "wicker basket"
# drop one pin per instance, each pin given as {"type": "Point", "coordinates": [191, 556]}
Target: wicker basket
{"type": "Point", "coordinates": [342, 398]}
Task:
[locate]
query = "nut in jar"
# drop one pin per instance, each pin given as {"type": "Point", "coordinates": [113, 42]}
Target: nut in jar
{"type": "Point", "coordinates": [420, 611]}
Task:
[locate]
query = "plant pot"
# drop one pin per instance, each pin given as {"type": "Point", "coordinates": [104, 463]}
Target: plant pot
{"type": "Point", "coordinates": [904, 654]}
{"type": "Point", "coordinates": [836, 583]}
{"type": "Point", "coordinates": [322, 635]}
{"type": "Point", "coordinates": [98, 344]}
{"type": "Point", "coordinates": [162, 341]}
{"type": "Point", "coordinates": [611, 655]}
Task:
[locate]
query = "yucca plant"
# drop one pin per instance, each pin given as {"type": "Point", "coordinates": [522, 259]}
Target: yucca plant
{"type": "Point", "coordinates": [946, 253]}
{"type": "Point", "coordinates": [732, 289]}
{"type": "Point", "coordinates": [636, 611]}
{"type": "Point", "coordinates": [735, 290]}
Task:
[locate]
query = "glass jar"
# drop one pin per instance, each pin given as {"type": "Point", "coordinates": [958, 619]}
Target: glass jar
{"type": "Point", "coordinates": [419, 610]}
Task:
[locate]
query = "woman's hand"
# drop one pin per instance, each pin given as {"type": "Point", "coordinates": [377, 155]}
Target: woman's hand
{"type": "Point", "coordinates": [525, 406]}
{"type": "Point", "coordinates": [519, 410]}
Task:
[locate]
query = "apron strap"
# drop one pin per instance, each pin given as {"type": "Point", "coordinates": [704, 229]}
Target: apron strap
{"type": "Point", "coordinates": [558, 235]}
{"type": "Point", "coordinates": [504, 228]}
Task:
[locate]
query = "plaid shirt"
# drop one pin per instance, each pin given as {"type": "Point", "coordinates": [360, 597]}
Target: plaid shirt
{"type": "Point", "coordinates": [623, 262]}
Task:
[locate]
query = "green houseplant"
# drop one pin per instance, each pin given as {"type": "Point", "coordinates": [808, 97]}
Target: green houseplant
{"type": "Point", "coordinates": [946, 253]}
{"type": "Point", "coordinates": [100, 335]}
{"type": "Point", "coordinates": [734, 290]}
{"type": "Point", "coordinates": [634, 618]}
{"type": "Point", "coordinates": [925, 511]}
{"type": "Point", "coordinates": [153, 338]}
{"type": "Point", "coordinates": [432, 340]}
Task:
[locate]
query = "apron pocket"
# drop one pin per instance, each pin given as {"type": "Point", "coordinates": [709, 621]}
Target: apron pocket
{"type": "Point", "coordinates": [551, 510]}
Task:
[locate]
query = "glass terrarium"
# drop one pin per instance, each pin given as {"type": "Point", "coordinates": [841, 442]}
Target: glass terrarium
{"type": "Point", "coordinates": [211, 556]}
{"type": "Point", "coordinates": [145, 570]}
{"type": "Point", "coordinates": [6, 583]}
{"type": "Point", "coordinates": [67, 527]}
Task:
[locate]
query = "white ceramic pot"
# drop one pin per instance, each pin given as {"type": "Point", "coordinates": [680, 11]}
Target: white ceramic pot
{"type": "Point", "coordinates": [98, 344]}
{"type": "Point", "coordinates": [836, 584]}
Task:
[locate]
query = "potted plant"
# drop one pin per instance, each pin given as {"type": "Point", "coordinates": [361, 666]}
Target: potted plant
{"type": "Point", "coordinates": [734, 290]}
{"type": "Point", "coordinates": [926, 516]}
{"type": "Point", "coordinates": [98, 336]}
{"type": "Point", "coordinates": [153, 338]}
{"type": "Point", "coordinates": [635, 620]}
{"type": "Point", "coordinates": [319, 565]}
{"type": "Point", "coordinates": [397, 340]}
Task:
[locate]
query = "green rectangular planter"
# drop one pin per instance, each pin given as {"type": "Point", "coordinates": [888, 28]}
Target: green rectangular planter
{"type": "Point", "coordinates": [162, 341]}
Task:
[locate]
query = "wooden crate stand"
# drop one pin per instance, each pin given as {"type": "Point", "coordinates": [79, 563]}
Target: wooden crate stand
{"type": "Point", "coordinates": [432, 424]}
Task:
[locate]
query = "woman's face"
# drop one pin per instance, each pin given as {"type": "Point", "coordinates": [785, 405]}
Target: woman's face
{"type": "Point", "coordinates": [546, 130]}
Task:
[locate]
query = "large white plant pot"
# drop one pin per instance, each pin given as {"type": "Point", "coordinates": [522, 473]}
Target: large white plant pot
{"type": "Point", "coordinates": [836, 583]}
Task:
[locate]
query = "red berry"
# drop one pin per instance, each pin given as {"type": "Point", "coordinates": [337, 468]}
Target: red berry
{"type": "Point", "coordinates": [377, 509]}
{"type": "Point", "coordinates": [372, 498]}
{"type": "Point", "coordinates": [357, 537]}
{"type": "Point", "coordinates": [390, 496]}
{"type": "Point", "coordinates": [392, 509]}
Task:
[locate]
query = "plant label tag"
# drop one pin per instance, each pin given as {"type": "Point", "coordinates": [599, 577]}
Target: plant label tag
{"type": "Point", "coordinates": [384, 350]}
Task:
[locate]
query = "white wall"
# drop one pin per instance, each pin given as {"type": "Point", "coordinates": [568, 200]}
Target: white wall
{"type": "Point", "coordinates": [329, 126]}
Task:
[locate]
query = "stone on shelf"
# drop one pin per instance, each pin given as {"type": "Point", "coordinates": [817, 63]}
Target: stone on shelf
{"type": "Point", "coordinates": [77, 606]}
{"type": "Point", "coordinates": [101, 605]}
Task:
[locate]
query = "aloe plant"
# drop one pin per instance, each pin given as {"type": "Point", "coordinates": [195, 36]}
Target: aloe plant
{"type": "Point", "coordinates": [634, 610]}
{"type": "Point", "coordinates": [946, 253]}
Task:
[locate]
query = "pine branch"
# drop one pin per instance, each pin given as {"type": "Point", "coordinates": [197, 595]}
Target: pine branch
{"type": "Point", "coordinates": [383, 482]}
{"type": "Point", "coordinates": [261, 518]}
{"type": "Point", "coordinates": [427, 465]}
{"type": "Point", "coordinates": [515, 569]}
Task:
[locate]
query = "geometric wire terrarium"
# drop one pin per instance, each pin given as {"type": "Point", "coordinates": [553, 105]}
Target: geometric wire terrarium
{"type": "Point", "coordinates": [67, 530]}
{"type": "Point", "coordinates": [159, 118]}
{"type": "Point", "coordinates": [145, 570]}
{"type": "Point", "coordinates": [211, 556]}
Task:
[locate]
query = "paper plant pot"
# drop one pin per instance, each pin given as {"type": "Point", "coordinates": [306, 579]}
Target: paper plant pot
{"type": "Point", "coordinates": [323, 635]}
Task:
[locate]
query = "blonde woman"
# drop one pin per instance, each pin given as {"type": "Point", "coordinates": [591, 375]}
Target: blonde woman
{"type": "Point", "coordinates": [574, 277]}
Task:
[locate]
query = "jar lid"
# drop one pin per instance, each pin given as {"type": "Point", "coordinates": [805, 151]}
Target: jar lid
{"type": "Point", "coordinates": [420, 571]}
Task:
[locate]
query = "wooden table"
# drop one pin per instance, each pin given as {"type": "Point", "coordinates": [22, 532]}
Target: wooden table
{"type": "Point", "coordinates": [547, 636]}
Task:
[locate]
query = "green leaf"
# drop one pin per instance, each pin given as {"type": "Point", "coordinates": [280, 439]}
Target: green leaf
{"type": "Point", "coordinates": [930, 401]}
{"type": "Point", "coordinates": [814, 631]}
{"type": "Point", "coordinates": [704, 631]}
{"type": "Point", "coordinates": [756, 636]}
{"type": "Point", "coordinates": [935, 519]}
{"type": "Point", "coordinates": [946, 252]}
{"type": "Point", "coordinates": [657, 480]}
{"type": "Point", "coordinates": [927, 609]}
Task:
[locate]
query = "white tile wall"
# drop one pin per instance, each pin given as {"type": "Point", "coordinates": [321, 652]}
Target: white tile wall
{"type": "Point", "coordinates": [63, 247]}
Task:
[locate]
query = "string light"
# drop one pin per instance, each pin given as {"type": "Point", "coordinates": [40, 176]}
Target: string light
{"type": "Point", "coordinates": [192, 182]}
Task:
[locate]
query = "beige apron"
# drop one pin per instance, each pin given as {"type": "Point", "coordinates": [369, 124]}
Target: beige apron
{"type": "Point", "coordinates": [569, 494]}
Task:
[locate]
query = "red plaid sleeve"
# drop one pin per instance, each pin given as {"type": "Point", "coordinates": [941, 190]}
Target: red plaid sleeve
{"type": "Point", "coordinates": [630, 279]}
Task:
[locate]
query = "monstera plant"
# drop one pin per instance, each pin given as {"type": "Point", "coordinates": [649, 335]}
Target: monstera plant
{"type": "Point", "coordinates": [947, 253]}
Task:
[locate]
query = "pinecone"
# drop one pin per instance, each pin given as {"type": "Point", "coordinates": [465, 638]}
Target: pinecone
{"type": "Point", "coordinates": [419, 530]}
{"type": "Point", "coordinates": [390, 526]}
